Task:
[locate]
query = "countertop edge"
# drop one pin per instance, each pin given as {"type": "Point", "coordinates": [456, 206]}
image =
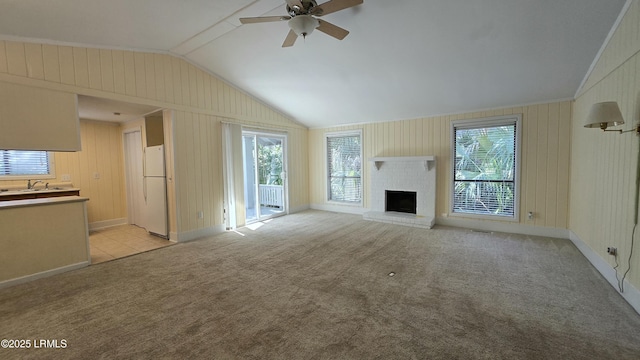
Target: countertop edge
{"type": "Point", "coordinates": [42, 201]}
{"type": "Point", "coordinates": [38, 191]}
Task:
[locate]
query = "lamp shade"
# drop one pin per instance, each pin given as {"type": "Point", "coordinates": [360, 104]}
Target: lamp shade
{"type": "Point", "coordinates": [603, 115]}
{"type": "Point", "coordinates": [303, 24]}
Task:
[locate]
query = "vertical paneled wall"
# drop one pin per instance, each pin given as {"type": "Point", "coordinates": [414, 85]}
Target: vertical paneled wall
{"type": "Point", "coordinates": [200, 162]}
{"type": "Point", "coordinates": [163, 79]}
{"type": "Point", "coordinates": [603, 166]}
{"type": "Point", "coordinates": [298, 175]}
{"type": "Point", "coordinates": [201, 101]}
{"type": "Point", "coordinates": [203, 136]}
{"type": "Point", "coordinates": [101, 155]}
{"type": "Point", "coordinates": [544, 157]}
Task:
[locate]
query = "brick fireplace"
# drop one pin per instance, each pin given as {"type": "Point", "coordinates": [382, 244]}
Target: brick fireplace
{"type": "Point", "coordinates": [404, 177]}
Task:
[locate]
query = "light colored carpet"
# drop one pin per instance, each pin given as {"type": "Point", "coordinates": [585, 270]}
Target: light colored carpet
{"type": "Point", "coordinates": [315, 285]}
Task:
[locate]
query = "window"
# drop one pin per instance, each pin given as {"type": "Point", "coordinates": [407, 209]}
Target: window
{"type": "Point", "coordinates": [18, 164]}
{"type": "Point", "coordinates": [485, 166]}
{"type": "Point", "coordinates": [344, 159]}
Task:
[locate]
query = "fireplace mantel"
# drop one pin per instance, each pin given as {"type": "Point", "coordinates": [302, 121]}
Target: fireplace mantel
{"type": "Point", "coordinates": [427, 160]}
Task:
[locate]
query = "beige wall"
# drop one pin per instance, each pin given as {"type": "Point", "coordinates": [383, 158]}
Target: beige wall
{"type": "Point", "coordinates": [48, 237]}
{"type": "Point", "coordinates": [102, 153]}
{"type": "Point", "coordinates": [200, 100]}
{"type": "Point", "coordinates": [603, 166]}
{"type": "Point", "coordinates": [197, 131]}
{"type": "Point", "coordinates": [22, 109]}
{"type": "Point", "coordinates": [544, 158]}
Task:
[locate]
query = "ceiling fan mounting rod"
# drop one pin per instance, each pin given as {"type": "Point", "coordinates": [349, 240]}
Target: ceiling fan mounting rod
{"type": "Point", "coordinates": [302, 7]}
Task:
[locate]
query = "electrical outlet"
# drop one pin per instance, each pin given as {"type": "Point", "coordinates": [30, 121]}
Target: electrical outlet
{"type": "Point", "coordinates": [530, 215]}
{"type": "Point", "coordinates": [612, 251]}
{"type": "Point", "coordinates": [96, 175]}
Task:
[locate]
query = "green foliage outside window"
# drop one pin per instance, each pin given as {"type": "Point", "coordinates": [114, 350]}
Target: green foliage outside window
{"type": "Point", "coordinates": [270, 164]}
{"type": "Point", "coordinates": [485, 170]}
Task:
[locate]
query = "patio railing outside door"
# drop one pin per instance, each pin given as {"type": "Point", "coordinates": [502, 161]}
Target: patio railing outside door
{"type": "Point", "coordinates": [271, 195]}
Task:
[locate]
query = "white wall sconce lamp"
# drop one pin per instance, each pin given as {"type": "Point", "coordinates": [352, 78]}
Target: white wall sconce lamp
{"type": "Point", "coordinates": [605, 114]}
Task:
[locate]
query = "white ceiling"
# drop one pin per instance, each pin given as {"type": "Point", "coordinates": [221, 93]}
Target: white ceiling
{"type": "Point", "coordinates": [93, 108]}
{"type": "Point", "coordinates": [403, 59]}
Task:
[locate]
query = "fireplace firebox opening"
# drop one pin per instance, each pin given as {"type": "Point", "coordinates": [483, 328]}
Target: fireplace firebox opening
{"type": "Point", "coordinates": [401, 201]}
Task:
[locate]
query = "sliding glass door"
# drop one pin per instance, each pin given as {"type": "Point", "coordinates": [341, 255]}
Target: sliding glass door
{"type": "Point", "coordinates": [264, 175]}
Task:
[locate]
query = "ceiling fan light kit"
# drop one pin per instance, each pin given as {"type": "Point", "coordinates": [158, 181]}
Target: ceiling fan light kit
{"type": "Point", "coordinates": [303, 25]}
{"type": "Point", "coordinates": [302, 18]}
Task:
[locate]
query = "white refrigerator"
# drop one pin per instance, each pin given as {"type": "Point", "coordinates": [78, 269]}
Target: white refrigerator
{"type": "Point", "coordinates": [155, 191]}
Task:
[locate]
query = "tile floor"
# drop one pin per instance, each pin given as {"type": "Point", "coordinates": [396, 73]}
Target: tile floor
{"type": "Point", "coordinates": [121, 241]}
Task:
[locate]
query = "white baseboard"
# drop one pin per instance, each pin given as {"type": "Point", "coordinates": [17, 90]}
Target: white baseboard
{"type": "Point", "coordinates": [43, 274]}
{"type": "Point", "coordinates": [98, 225]}
{"type": "Point", "coordinates": [505, 227]}
{"type": "Point", "coordinates": [630, 294]}
{"type": "Point", "coordinates": [298, 209]}
{"type": "Point", "coordinates": [357, 210]}
{"type": "Point", "coordinates": [199, 233]}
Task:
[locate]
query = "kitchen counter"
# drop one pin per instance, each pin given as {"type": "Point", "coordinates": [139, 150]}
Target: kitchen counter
{"type": "Point", "coordinates": [42, 237]}
{"type": "Point", "coordinates": [42, 201]}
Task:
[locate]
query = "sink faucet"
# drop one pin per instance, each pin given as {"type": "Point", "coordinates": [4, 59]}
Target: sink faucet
{"type": "Point", "coordinates": [30, 185]}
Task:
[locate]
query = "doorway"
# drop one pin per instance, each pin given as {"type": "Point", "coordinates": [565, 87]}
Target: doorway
{"type": "Point", "coordinates": [264, 164]}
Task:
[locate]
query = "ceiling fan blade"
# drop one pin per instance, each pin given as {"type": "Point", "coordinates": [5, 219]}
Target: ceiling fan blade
{"type": "Point", "coordinates": [290, 40]}
{"type": "Point", "coordinates": [253, 20]}
{"type": "Point", "coordinates": [333, 6]}
{"type": "Point", "coordinates": [332, 30]}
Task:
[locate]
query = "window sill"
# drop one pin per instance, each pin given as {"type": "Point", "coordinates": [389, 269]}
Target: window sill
{"type": "Point", "coordinates": [512, 219]}
{"type": "Point", "coordinates": [345, 203]}
{"type": "Point", "coordinates": [26, 177]}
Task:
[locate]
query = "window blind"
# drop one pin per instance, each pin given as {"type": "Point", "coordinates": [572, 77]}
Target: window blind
{"type": "Point", "coordinates": [485, 169]}
{"type": "Point", "coordinates": [344, 168]}
{"type": "Point", "coordinates": [24, 163]}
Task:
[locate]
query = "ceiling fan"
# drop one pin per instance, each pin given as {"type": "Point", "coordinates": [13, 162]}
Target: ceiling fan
{"type": "Point", "coordinates": [303, 18]}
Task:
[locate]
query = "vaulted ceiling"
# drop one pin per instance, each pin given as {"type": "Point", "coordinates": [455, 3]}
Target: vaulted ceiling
{"type": "Point", "coordinates": [402, 59]}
